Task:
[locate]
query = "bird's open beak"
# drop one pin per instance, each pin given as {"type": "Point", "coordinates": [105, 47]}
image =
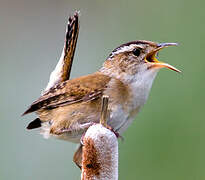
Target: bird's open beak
{"type": "Point", "coordinates": [151, 57]}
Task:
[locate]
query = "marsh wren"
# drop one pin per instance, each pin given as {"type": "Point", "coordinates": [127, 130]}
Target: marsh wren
{"type": "Point", "coordinates": [69, 107]}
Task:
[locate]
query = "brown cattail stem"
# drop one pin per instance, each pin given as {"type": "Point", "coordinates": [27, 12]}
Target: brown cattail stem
{"type": "Point", "coordinates": [100, 150]}
{"type": "Point", "coordinates": [104, 111]}
{"type": "Point", "coordinates": [100, 154]}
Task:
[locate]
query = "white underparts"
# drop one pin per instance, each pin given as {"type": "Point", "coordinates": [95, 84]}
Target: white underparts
{"type": "Point", "coordinates": [45, 129]}
{"type": "Point", "coordinates": [140, 85]}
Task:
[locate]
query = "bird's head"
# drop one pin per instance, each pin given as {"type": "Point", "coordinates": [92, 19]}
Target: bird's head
{"type": "Point", "coordinates": [136, 58]}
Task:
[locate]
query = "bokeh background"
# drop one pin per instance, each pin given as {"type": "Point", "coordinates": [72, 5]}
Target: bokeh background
{"type": "Point", "coordinates": [167, 139]}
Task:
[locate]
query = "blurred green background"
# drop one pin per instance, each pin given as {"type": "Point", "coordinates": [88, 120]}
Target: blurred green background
{"type": "Point", "coordinates": [167, 139]}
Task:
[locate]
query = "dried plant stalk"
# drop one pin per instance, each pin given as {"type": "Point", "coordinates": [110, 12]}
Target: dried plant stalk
{"type": "Point", "coordinates": [100, 150]}
{"type": "Point", "coordinates": [100, 154]}
{"type": "Point", "coordinates": [104, 111]}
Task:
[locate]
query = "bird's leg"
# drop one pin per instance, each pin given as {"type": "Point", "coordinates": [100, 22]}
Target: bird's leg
{"type": "Point", "coordinates": [79, 127]}
{"type": "Point", "coordinates": [116, 133]}
{"type": "Point", "coordinates": [87, 126]}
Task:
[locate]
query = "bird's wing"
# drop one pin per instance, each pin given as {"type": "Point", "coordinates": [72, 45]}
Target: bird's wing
{"type": "Point", "coordinates": [85, 88]}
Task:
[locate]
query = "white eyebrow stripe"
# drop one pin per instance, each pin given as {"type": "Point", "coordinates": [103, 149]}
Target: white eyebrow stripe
{"type": "Point", "coordinates": [124, 49]}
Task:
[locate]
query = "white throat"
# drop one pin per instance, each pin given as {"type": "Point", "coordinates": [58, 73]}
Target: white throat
{"type": "Point", "coordinates": [139, 83]}
{"type": "Point", "coordinates": [139, 86]}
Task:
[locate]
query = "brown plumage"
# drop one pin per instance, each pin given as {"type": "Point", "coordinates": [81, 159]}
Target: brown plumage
{"type": "Point", "coordinates": [68, 107]}
{"type": "Point", "coordinates": [70, 45]}
{"type": "Point", "coordinates": [77, 101]}
{"type": "Point", "coordinates": [81, 89]}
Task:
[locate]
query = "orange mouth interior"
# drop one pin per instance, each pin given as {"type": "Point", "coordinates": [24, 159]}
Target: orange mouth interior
{"type": "Point", "coordinates": [151, 58]}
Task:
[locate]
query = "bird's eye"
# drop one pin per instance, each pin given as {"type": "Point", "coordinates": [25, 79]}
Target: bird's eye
{"type": "Point", "coordinates": [136, 51]}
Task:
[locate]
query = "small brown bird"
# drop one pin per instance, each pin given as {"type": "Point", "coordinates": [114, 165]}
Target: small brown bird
{"type": "Point", "coordinates": [69, 107]}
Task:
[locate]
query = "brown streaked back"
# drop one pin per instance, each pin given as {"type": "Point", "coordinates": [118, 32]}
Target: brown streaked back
{"type": "Point", "coordinates": [84, 88]}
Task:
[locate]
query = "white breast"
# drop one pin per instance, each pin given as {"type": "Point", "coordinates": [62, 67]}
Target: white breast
{"type": "Point", "coordinates": [117, 117]}
{"type": "Point", "coordinates": [140, 87]}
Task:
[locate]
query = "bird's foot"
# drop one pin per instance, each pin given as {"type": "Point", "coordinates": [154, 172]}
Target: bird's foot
{"type": "Point", "coordinates": [116, 133]}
